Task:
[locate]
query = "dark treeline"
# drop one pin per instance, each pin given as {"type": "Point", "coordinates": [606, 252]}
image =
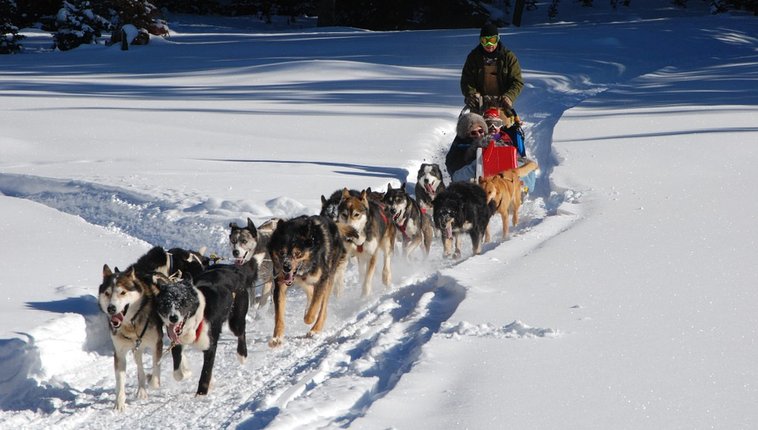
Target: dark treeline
{"type": "Point", "coordinates": [76, 22]}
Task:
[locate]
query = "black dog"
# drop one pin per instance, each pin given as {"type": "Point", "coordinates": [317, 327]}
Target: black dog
{"type": "Point", "coordinates": [194, 312]}
{"type": "Point", "coordinates": [429, 183]}
{"type": "Point", "coordinates": [187, 261]}
{"type": "Point", "coordinates": [462, 208]}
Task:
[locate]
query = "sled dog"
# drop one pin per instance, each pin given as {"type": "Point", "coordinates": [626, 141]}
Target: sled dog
{"type": "Point", "coordinates": [127, 298]}
{"type": "Point", "coordinates": [330, 206]}
{"type": "Point", "coordinates": [183, 261]}
{"type": "Point", "coordinates": [429, 183]}
{"type": "Point", "coordinates": [376, 233]}
{"type": "Point", "coordinates": [194, 311]}
{"type": "Point", "coordinates": [413, 225]}
{"type": "Point", "coordinates": [462, 208]}
{"type": "Point", "coordinates": [250, 243]}
{"type": "Point", "coordinates": [307, 251]}
{"type": "Point", "coordinates": [504, 191]}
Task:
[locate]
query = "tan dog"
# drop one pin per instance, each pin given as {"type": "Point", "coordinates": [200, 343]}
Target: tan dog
{"type": "Point", "coordinates": [375, 234]}
{"type": "Point", "coordinates": [307, 251]}
{"type": "Point", "coordinates": [504, 190]}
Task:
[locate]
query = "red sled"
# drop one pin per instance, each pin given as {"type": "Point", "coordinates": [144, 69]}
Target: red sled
{"type": "Point", "coordinates": [495, 159]}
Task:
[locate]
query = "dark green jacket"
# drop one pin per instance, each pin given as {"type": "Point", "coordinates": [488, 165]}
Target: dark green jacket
{"type": "Point", "coordinates": [508, 72]}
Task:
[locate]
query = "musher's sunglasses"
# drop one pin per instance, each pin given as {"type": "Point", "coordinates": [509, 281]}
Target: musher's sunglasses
{"type": "Point", "coordinates": [489, 40]}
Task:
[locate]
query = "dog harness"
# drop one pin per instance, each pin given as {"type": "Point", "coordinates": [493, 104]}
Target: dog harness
{"type": "Point", "coordinates": [199, 330]}
{"type": "Point", "coordinates": [138, 341]}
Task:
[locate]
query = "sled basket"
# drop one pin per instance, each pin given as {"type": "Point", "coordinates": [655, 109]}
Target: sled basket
{"type": "Point", "coordinates": [494, 159]}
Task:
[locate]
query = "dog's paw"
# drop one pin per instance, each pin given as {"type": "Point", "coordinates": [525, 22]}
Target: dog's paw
{"type": "Point", "coordinates": [275, 342]}
{"type": "Point", "coordinates": [142, 393]}
{"type": "Point", "coordinates": [154, 381]}
{"type": "Point", "coordinates": [181, 374]}
{"type": "Point", "coordinates": [241, 358]}
{"type": "Point", "coordinates": [120, 406]}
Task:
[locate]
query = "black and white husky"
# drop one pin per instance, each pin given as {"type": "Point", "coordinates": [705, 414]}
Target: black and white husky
{"type": "Point", "coordinates": [429, 183]}
{"type": "Point", "coordinates": [248, 243]}
{"type": "Point", "coordinates": [412, 223]}
{"type": "Point", "coordinates": [194, 312]}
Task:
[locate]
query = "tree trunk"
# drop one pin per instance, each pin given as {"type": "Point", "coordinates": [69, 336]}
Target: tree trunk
{"type": "Point", "coordinates": [518, 11]}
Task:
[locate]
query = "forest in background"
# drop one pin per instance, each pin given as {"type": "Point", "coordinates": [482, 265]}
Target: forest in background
{"type": "Point", "coordinates": [77, 22]}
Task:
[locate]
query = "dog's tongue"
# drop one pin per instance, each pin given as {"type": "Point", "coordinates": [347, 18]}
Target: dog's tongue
{"type": "Point", "coordinates": [238, 261]}
{"type": "Point", "coordinates": [117, 319]}
{"type": "Point", "coordinates": [429, 189]}
{"type": "Point", "coordinates": [172, 329]}
{"type": "Point", "coordinates": [289, 277]}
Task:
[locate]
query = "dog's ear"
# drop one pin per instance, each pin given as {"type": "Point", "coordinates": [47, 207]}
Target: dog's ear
{"type": "Point", "coordinates": [364, 196]}
{"type": "Point", "coordinates": [323, 200]}
{"type": "Point", "coordinates": [233, 225]}
{"type": "Point", "coordinates": [345, 193]}
{"type": "Point", "coordinates": [389, 187]}
{"type": "Point", "coordinates": [481, 180]}
{"type": "Point", "coordinates": [131, 273]}
{"type": "Point", "coordinates": [106, 271]}
{"type": "Point", "coordinates": [402, 187]}
{"type": "Point", "coordinates": [251, 227]}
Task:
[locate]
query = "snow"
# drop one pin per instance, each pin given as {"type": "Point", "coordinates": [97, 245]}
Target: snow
{"type": "Point", "coordinates": [624, 299]}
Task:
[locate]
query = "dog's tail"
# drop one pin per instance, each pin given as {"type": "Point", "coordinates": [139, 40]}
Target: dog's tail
{"type": "Point", "coordinates": [524, 170]}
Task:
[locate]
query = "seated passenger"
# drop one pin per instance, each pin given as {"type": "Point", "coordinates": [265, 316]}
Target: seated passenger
{"type": "Point", "coordinates": [471, 133]}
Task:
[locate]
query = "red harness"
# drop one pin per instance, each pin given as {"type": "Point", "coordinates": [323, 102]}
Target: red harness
{"type": "Point", "coordinates": [405, 224]}
{"type": "Point", "coordinates": [199, 330]}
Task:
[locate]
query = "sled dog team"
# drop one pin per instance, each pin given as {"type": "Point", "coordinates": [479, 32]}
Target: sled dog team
{"type": "Point", "coordinates": [180, 292]}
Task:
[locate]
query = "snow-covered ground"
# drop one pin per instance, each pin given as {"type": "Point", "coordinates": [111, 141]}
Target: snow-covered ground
{"type": "Point", "coordinates": [624, 299]}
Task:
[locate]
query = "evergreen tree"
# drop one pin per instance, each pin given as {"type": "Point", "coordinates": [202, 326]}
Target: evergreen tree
{"type": "Point", "coordinates": [9, 37]}
{"type": "Point", "coordinates": [552, 11]}
{"type": "Point", "coordinates": [141, 14]}
{"type": "Point", "coordinates": [78, 24]}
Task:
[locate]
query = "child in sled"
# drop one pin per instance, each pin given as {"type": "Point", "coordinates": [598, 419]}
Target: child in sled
{"type": "Point", "coordinates": [461, 160]}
